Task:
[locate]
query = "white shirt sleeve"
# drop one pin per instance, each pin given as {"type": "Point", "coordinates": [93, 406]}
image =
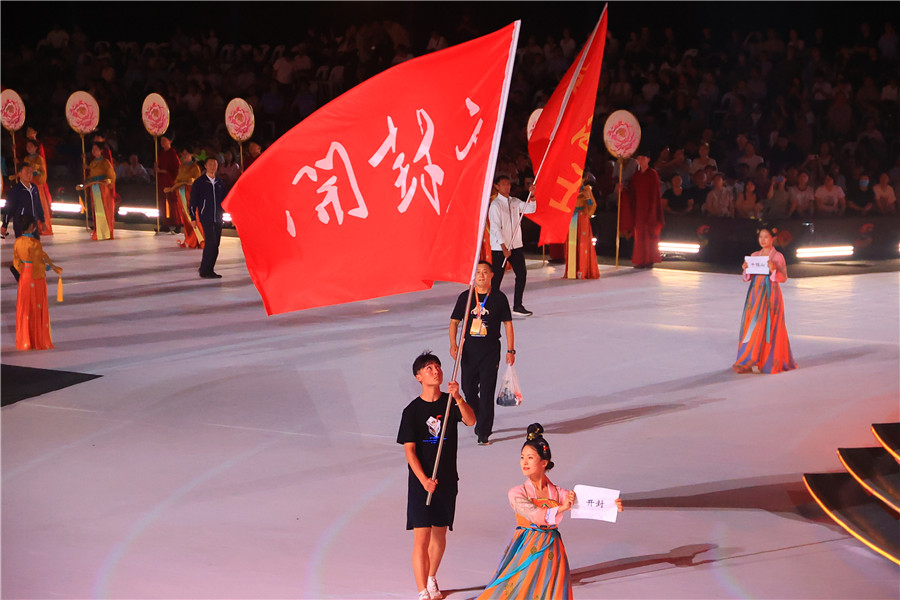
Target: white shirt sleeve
{"type": "Point", "coordinates": [496, 232]}
{"type": "Point", "coordinates": [528, 207]}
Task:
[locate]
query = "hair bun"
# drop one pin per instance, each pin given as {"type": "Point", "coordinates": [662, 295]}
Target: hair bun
{"type": "Point", "coordinates": [535, 430]}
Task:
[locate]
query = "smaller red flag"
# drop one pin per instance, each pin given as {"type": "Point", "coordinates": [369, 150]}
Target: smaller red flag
{"type": "Point", "coordinates": [559, 142]}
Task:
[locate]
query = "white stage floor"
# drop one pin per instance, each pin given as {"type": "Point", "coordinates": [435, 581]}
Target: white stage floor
{"type": "Point", "coordinates": [226, 454]}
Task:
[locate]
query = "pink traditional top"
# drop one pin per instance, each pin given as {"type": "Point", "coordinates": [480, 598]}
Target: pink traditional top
{"type": "Point", "coordinates": [779, 275]}
{"type": "Point", "coordinates": [528, 507]}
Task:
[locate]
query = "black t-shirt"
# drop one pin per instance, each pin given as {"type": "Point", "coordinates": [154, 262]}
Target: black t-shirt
{"type": "Point", "coordinates": [699, 196]}
{"type": "Point", "coordinates": [678, 203]}
{"type": "Point", "coordinates": [494, 314]}
{"type": "Point", "coordinates": [421, 423]}
{"type": "Point", "coordinates": [860, 197]}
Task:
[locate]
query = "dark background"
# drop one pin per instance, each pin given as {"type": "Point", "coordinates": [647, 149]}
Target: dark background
{"type": "Point", "coordinates": [284, 22]}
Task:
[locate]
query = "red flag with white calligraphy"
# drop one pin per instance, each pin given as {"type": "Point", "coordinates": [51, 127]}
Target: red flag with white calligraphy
{"type": "Point", "coordinates": [383, 190]}
{"type": "Point", "coordinates": [559, 142]}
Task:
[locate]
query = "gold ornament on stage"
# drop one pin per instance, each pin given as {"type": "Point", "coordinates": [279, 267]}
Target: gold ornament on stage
{"type": "Point", "coordinates": [155, 114]}
{"type": "Point", "coordinates": [12, 110]}
{"type": "Point", "coordinates": [12, 114]}
{"type": "Point", "coordinates": [622, 136]}
{"type": "Point", "coordinates": [83, 115]}
{"type": "Point", "coordinates": [240, 122]}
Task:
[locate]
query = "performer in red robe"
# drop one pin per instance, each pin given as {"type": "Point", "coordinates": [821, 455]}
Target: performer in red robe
{"type": "Point", "coordinates": [642, 213]}
{"type": "Point", "coordinates": [167, 166]}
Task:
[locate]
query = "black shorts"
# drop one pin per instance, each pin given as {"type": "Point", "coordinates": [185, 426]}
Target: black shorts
{"type": "Point", "coordinates": [439, 514]}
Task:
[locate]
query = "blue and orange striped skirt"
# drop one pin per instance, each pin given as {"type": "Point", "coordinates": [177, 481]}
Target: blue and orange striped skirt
{"type": "Point", "coordinates": [763, 341]}
{"type": "Point", "coordinates": [534, 566]}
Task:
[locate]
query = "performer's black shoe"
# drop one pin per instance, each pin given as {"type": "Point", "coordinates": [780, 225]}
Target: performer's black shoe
{"type": "Point", "coordinates": [213, 275]}
{"type": "Point", "coordinates": [522, 311]}
{"type": "Point", "coordinates": [484, 442]}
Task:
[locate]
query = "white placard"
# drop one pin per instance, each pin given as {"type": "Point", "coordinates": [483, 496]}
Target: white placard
{"type": "Point", "coordinates": [595, 503]}
{"type": "Point", "coordinates": [757, 265]}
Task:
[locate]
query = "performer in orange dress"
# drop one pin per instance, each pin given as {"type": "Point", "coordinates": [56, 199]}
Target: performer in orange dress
{"type": "Point", "coordinates": [763, 344]}
{"type": "Point", "coordinates": [35, 158]}
{"type": "Point", "coordinates": [100, 186]}
{"type": "Point", "coordinates": [108, 155]}
{"type": "Point", "coordinates": [188, 171]}
{"type": "Point", "coordinates": [32, 313]}
{"type": "Point", "coordinates": [581, 257]}
{"type": "Point", "coordinates": [535, 563]}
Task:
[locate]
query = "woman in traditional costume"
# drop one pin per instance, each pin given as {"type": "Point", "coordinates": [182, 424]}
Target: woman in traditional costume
{"type": "Point", "coordinates": [535, 563]}
{"type": "Point", "coordinates": [101, 179]}
{"type": "Point", "coordinates": [32, 313]}
{"type": "Point", "coordinates": [38, 162]}
{"type": "Point", "coordinates": [188, 171]}
{"type": "Point", "coordinates": [581, 257]}
{"type": "Point", "coordinates": [763, 345]}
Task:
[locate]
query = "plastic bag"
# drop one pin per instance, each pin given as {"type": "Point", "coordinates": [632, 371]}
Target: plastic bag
{"type": "Point", "coordinates": [510, 393]}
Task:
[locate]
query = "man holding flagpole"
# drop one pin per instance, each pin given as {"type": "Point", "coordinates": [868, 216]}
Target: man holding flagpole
{"type": "Point", "coordinates": [420, 433]}
{"type": "Point", "coordinates": [505, 217]}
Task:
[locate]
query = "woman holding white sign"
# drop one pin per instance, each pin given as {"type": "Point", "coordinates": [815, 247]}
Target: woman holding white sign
{"type": "Point", "coordinates": [535, 564]}
{"type": "Point", "coordinates": [763, 344]}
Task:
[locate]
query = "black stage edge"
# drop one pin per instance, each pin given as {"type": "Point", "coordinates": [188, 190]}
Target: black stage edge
{"type": "Point", "coordinates": [20, 383]}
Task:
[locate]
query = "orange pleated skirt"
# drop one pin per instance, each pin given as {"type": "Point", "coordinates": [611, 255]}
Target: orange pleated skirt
{"type": "Point", "coordinates": [32, 313]}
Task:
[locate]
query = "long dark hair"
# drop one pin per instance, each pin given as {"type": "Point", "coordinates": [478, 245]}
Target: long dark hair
{"type": "Point", "coordinates": [535, 439]}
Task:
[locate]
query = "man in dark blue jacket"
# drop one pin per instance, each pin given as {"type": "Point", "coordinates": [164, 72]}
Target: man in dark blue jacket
{"type": "Point", "coordinates": [23, 199]}
{"type": "Point", "coordinates": [207, 193]}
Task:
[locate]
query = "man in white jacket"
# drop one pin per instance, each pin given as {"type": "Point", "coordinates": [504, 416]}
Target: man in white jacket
{"type": "Point", "coordinates": [505, 216]}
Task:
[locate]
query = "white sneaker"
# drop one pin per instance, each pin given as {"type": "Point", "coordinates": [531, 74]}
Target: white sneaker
{"type": "Point", "coordinates": [424, 595]}
{"type": "Point", "coordinates": [433, 590]}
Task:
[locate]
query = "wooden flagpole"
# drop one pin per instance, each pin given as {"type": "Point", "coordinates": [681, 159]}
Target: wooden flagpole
{"type": "Point", "coordinates": [84, 194]}
{"type": "Point", "coordinates": [156, 180]}
{"type": "Point", "coordinates": [619, 210]}
{"type": "Point", "coordinates": [488, 181]}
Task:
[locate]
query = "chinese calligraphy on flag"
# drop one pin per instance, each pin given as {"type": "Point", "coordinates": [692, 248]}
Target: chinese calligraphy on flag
{"type": "Point", "coordinates": [559, 142]}
{"type": "Point", "coordinates": [383, 190]}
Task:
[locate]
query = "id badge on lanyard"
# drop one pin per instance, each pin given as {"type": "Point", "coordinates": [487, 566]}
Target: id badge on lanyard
{"type": "Point", "coordinates": [478, 328]}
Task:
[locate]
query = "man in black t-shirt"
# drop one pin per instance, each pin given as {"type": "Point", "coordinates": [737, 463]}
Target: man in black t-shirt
{"type": "Point", "coordinates": [489, 310]}
{"type": "Point", "coordinates": [677, 201]}
{"type": "Point", "coordinates": [420, 431]}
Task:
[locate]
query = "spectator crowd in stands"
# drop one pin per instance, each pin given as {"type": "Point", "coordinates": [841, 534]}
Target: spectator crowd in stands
{"type": "Point", "coordinates": [746, 125]}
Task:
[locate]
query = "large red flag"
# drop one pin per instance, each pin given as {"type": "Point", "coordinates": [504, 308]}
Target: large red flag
{"type": "Point", "coordinates": [383, 190]}
{"type": "Point", "coordinates": [559, 142]}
